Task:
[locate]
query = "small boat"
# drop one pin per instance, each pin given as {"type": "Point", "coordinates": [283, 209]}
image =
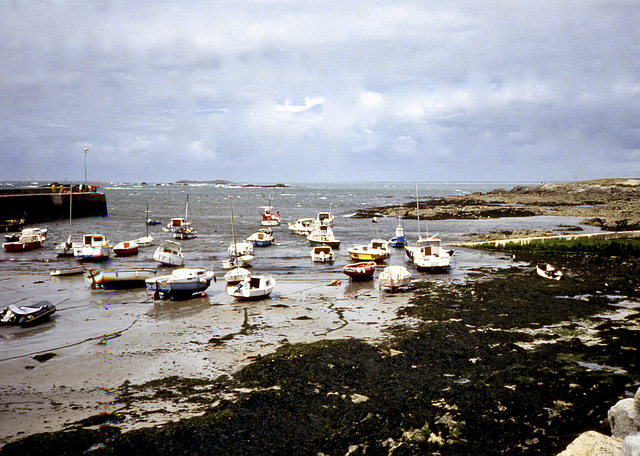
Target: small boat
{"type": "Point", "coordinates": [548, 271]}
{"type": "Point", "coordinates": [240, 248]}
{"type": "Point", "coordinates": [67, 247]}
{"type": "Point", "coordinates": [93, 247]}
{"type": "Point", "coordinates": [236, 275]}
{"type": "Point", "coordinates": [12, 237]}
{"type": "Point", "coordinates": [153, 222]}
{"type": "Point", "coordinates": [122, 279]}
{"type": "Point", "coordinates": [26, 315]}
{"type": "Point", "coordinates": [181, 226]}
{"type": "Point", "coordinates": [181, 283]}
{"type": "Point", "coordinates": [360, 271]}
{"type": "Point", "coordinates": [126, 248]}
{"type": "Point", "coordinates": [303, 226]}
{"type": "Point", "coordinates": [252, 287]}
{"type": "Point", "coordinates": [68, 271]}
{"type": "Point", "coordinates": [429, 255]}
{"type": "Point", "coordinates": [169, 253]}
{"type": "Point", "coordinates": [376, 250]}
{"type": "Point", "coordinates": [322, 254]}
{"type": "Point", "coordinates": [398, 240]}
{"type": "Point", "coordinates": [394, 277]}
{"type": "Point", "coordinates": [325, 218]}
{"type": "Point", "coordinates": [323, 235]}
{"type": "Point", "coordinates": [260, 239]}
{"type": "Point", "coordinates": [374, 220]}
{"type": "Point", "coordinates": [24, 242]}
{"type": "Point", "coordinates": [241, 261]}
{"type": "Point", "coordinates": [144, 241]}
{"type": "Point", "coordinates": [185, 232]}
{"type": "Point", "coordinates": [268, 217]}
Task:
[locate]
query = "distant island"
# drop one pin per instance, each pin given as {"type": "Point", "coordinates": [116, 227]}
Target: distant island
{"type": "Point", "coordinates": [224, 183]}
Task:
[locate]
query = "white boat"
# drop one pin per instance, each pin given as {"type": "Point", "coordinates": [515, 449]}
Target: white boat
{"type": "Point", "coordinates": [170, 254]}
{"type": "Point", "coordinates": [548, 271]}
{"type": "Point", "coordinates": [325, 218]}
{"type": "Point", "coordinates": [394, 277]}
{"type": "Point", "coordinates": [125, 248]}
{"type": "Point", "coordinates": [73, 270]}
{"type": "Point", "coordinates": [24, 242]}
{"type": "Point", "coordinates": [398, 240]}
{"type": "Point", "coordinates": [119, 279]}
{"type": "Point", "coordinates": [236, 275]}
{"type": "Point", "coordinates": [268, 217]}
{"type": "Point", "coordinates": [322, 254]}
{"type": "Point", "coordinates": [181, 226]}
{"type": "Point", "coordinates": [93, 247]}
{"type": "Point", "coordinates": [260, 239]}
{"type": "Point", "coordinates": [253, 287]}
{"type": "Point", "coordinates": [241, 261]}
{"type": "Point", "coordinates": [323, 235]}
{"type": "Point", "coordinates": [144, 241]}
{"type": "Point", "coordinates": [181, 282]}
{"type": "Point", "coordinates": [12, 237]}
{"type": "Point", "coordinates": [240, 248]}
{"type": "Point", "coordinates": [429, 255]}
{"type": "Point", "coordinates": [376, 250]}
{"type": "Point", "coordinates": [302, 226]}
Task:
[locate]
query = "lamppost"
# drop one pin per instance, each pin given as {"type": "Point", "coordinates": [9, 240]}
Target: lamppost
{"type": "Point", "coordinates": [85, 167]}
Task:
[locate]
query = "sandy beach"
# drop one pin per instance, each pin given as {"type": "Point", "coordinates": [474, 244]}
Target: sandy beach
{"type": "Point", "coordinates": [103, 339]}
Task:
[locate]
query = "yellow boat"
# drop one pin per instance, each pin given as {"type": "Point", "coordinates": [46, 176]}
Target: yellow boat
{"type": "Point", "coordinates": [376, 250]}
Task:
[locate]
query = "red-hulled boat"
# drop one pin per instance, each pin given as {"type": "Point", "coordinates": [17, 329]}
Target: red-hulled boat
{"type": "Point", "coordinates": [26, 242]}
{"type": "Point", "coordinates": [360, 271]}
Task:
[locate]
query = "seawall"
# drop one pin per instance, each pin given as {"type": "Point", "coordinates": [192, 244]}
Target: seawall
{"type": "Point", "coordinates": [40, 205]}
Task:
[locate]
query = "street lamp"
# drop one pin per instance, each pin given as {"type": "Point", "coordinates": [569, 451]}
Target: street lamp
{"type": "Point", "coordinates": [85, 167]}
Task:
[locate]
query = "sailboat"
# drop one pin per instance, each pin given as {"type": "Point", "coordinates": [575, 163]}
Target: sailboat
{"type": "Point", "coordinates": [181, 226]}
{"type": "Point", "coordinates": [66, 248]}
{"type": "Point", "coordinates": [147, 240]}
{"type": "Point", "coordinates": [428, 254]}
{"type": "Point", "coordinates": [237, 260]}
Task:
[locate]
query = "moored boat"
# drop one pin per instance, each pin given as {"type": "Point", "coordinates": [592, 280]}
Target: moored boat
{"type": "Point", "coordinates": [120, 279]}
{"type": "Point", "coordinates": [236, 275]}
{"type": "Point", "coordinates": [169, 254]}
{"type": "Point", "coordinates": [126, 248]}
{"type": "Point", "coordinates": [252, 287]}
{"type": "Point", "coordinates": [394, 277]}
{"type": "Point", "coordinates": [268, 217]}
{"type": "Point", "coordinates": [241, 261]}
{"type": "Point", "coordinates": [240, 248]}
{"type": "Point", "coordinates": [93, 247]}
{"type": "Point", "coordinates": [73, 270]}
{"type": "Point", "coordinates": [323, 235]}
{"type": "Point", "coordinates": [181, 283]}
{"type": "Point", "coordinates": [398, 240]}
{"type": "Point", "coordinates": [322, 254]}
{"type": "Point", "coordinates": [376, 250]}
{"type": "Point", "coordinates": [28, 314]}
{"type": "Point", "coordinates": [325, 218]}
{"type": "Point", "coordinates": [260, 239]}
{"type": "Point", "coordinates": [360, 271]}
{"type": "Point", "coordinates": [302, 226]}
{"type": "Point", "coordinates": [24, 242]}
{"type": "Point", "coordinates": [429, 255]}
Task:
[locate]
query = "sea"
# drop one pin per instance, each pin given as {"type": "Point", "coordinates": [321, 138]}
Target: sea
{"type": "Point", "coordinates": [209, 207]}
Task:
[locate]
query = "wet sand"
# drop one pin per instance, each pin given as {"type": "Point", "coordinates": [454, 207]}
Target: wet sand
{"type": "Point", "coordinates": [148, 340]}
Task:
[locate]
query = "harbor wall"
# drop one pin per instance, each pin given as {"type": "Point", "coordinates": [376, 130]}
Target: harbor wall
{"type": "Point", "coordinates": [41, 205]}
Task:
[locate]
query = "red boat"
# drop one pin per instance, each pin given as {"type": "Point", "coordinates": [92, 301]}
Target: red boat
{"type": "Point", "coordinates": [126, 248]}
{"type": "Point", "coordinates": [26, 242]}
{"type": "Point", "coordinates": [360, 271]}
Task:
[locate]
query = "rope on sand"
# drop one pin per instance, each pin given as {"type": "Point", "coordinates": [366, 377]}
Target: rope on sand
{"type": "Point", "coordinates": [101, 341]}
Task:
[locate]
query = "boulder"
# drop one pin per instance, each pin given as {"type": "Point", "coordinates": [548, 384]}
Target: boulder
{"type": "Point", "coordinates": [623, 418]}
{"type": "Point", "coordinates": [593, 443]}
{"type": "Point", "coordinates": [631, 445]}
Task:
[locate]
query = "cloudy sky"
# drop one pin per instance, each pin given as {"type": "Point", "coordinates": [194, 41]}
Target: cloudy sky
{"type": "Point", "coordinates": [319, 91]}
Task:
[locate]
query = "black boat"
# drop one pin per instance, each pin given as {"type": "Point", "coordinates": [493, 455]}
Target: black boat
{"type": "Point", "coordinates": [26, 315]}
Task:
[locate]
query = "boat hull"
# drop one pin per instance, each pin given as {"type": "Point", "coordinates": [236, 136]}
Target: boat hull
{"type": "Point", "coordinates": [360, 271]}
{"type": "Point", "coordinates": [27, 315]}
{"type": "Point", "coordinates": [252, 288]}
{"type": "Point", "coordinates": [182, 283]}
{"type": "Point", "coordinates": [394, 277]}
{"type": "Point", "coordinates": [119, 280]}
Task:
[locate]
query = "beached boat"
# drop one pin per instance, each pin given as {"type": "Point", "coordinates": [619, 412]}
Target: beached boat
{"type": "Point", "coordinates": [323, 235]}
{"type": "Point", "coordinates": [260, 239]}
{"type": "Point", "coordinates": [322, 254]}
{"type": "Point", "coordinates": [125, 248]}
{"type": "Point", "coordinates": [144, 241]}
{"type": "Point", "coordinates": [25, 242]}
{"type": "Point", "coordinates": [548, 271]}
{"type": "Point", "coordinates": [376, 250]}
{"type": "Point", "coordinates": [240, 248]}
{"type": "Point", "coordinates": [169, 253]}
{"type": "Point", "coordinates": [429, 255]}
{"type": "Point", "coordinates": [72, 270]}
{"type": "Point", "coordinates": [242, 261]}
{"type": "Point", "coordinates": [93, 247]}
{"type": "Point", "coordinates": [253, 287]}
{"type": "Point", "coordinates": [360, 271]}
{"type": "Point", "coordinates": [236, 275]}
{"type": "Point", "coordinates": [28, 314]}
{"type": "Point", "coordinates": [325, 218]}
{"type": "Point", "coordinates": [302, 226]}
{"type": "Point", "coordinates": [394, 277]}
{"type": "Point", "coordinates": [268, 217]}
{"type": "Point", "coordinates": [181, 283]}
{"type": "Point", "coordinates": [398, 240]}
{"type": "Point", "coordinates": [119, 279]}
{"type": "Point", "coordinates": [15, 236]}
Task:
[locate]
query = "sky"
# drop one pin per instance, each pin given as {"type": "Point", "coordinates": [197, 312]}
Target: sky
{"type": "Point", "coordinates": [275, 91]}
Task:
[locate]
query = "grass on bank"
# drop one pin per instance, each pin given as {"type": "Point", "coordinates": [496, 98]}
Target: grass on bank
{"type": "Point", "coordinates": [610, 247]}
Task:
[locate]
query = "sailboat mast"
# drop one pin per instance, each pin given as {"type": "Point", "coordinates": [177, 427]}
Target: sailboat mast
{"type": "Point", "coordinates": [418, 210]}
{"type": "Point", "coordinates": [146, 222]}
{"type": "Point", "coordinates": [233, 229]}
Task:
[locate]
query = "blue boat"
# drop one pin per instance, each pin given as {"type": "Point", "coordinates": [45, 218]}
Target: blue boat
{"type": "Point", "coordinates": [398, 240]}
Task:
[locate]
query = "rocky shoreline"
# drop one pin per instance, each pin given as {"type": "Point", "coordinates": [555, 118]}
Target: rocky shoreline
{"type": "Point", "coordinates": [612, 204]}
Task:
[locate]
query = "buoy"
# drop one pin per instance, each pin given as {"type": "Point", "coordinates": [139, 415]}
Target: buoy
{"type": "Point", "coordinates": [335, 283]}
